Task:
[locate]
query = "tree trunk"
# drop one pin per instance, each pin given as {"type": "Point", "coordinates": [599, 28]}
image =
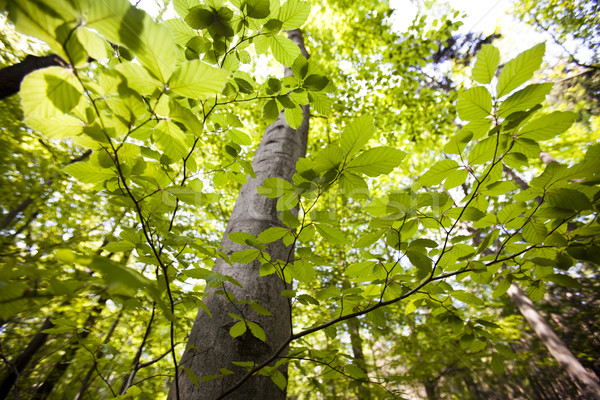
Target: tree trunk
{"type": "Point", "coordinates": [359, 356]}
{"type": "Point", "coordinates": [210, 346]}
{"type": "Point", "coordinates": [56, 373]}
{"type": "Point", "coordinates": [430, 389]}
{"type": "Point", "coordinates": [588, 386]}
{"type": "Point", "coordinates": [23, 359]}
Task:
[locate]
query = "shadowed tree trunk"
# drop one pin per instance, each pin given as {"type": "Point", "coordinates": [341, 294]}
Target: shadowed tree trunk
{"type": "Point", "coordinates": [23, 359]}
{"type": "Point", "coordinates": [588, 386]}
{"type": "Point", "coordinates": [210, 346]}
{"type": "Point", "coordinates": [359, 356]}
{"type": "Point", "coordinates": [56, 373]}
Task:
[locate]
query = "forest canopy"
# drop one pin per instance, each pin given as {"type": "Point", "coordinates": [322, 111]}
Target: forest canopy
{"type": "Point", "coordinates": [265, 199]}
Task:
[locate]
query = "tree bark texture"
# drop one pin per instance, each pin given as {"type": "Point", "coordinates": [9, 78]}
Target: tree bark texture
{"type": "Point", "coordinates": [210, 346]}
{"type": "Point", "coordinates": [11, 77]}
{"type": "Point", "coordinates": [588, 386]}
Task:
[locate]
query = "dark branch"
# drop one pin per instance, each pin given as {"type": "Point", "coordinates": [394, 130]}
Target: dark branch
{"type": "Point", "coordinates": [11, 77]}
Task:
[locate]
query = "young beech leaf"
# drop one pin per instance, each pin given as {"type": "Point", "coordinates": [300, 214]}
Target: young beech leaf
{"type": "Point", "coordinates": [258, 9]}
{"type": "Point", "coordinates": [238, 329]}
{"type": "Point", "coordinates": [50, 92]}
{"type": "Point", "coordinates": [548, 126]}
{"type": "Point", "coordinates": [293, 14]}
{"type": "Point", "coordinates": [467, 298]}
{"type": "Point", "coordinates": [331, 234]}
{"type": "Point", "coordinates": [438, 173]}
{"type": "Point", "coordinates": [294, 116]}
{"type": "Point", "coordinates": [525, 99]}
{"type": "Point", "coordinates": [376, 161]}
{"type": "Point", "coordinates": [284, 50]}
{"type": "Point", "coordinates": [196, 79]}
{"type": "Point", "coordinates": [488, 59]}
{"type": "Point", "coordinates": [520, 69]}
{"type": "Point", "coordinates": [356, 134]}
{"type": "Point", "coordinates": [474, 104]}
{"type": "Point", "coordinates": [257, 331]}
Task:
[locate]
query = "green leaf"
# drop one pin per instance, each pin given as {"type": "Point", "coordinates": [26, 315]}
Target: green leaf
{"type": "Point", "coordinates": [458, 143]}
{"type": "Point", "coordinates": [274, 187]}
{"type": "Point", "coordinates": [244, 256]}
{"type": "Point", "coordinates": [520, 69]}
{"type": "Point", "coordinates": [421, 261]}
{"type": "Point", "coordinates": [170, 139]}
{"type": "Point", "coordinates": [200, 17]}
{"type": "Point", "coordinates": [50, 92]}
{"type": "Point", "coordinates": [238, 329]}
{"type": "Point", "coordinates": [536, 291]}
{"type": "Point", "coordinates": [294, 117]}
{"type": "Point", "coordinates": [187, 195]}
{"type": "Point", "coordinates": [59, 127]}
{"type": "Point", "coordinates": [328, 159]}
{"type": "Point", "coordinates": [138, 78]}
{"type": "Point", "coordinates": [272, 234]}
{"type": "Point", "coordinates": [260, 309]}
{"type": "Point", "coordinates": [376, 161]}
{"type": "Point", "coordinates": [474, 104]}
{"type": "Point", "coordinates": [196, 79]}
{"type": "Point", "coordinates": [331, 234]}
{"type": "Point", "coordinates": [122, 245]}
{"type": "Point", "coordinates": [293, 14]}
{"type": "Point", "coordinates": [568, 199]}
{"type": "Point", "coordinates": [548, 126]}
{"type": "Point", "coordinates": [501, 288]}
{"type": "Point", "coordinates": [467, 298]}
{"type": "Point", "coordinates": [241, 237]}
{"type": "Point", "coordinates": [121, 23]}
{"type": "Point", "coordinates": [315, 82]}
{"type": "Point", "coordinates": [357, 134]}
{"type": "Point", "coordinates": [563, 280]}
{"type": "Point", "coordinates": [182, 7]}
{"type": "Point", "coordinates": [258, 9]}
{"type": "Point", "coordinates": [525, 99]}
{"type": "Point", "coordinates": [483, 151]}
{"type": "Point", "coordinates": [368, 239]}
{"type": "Point", "coordinates": [87, 172]}
{"type": "Point", "coordinates": [284, 50]}
{"type": "Point", "coordinates": [497, 364]}
{"type": "Point", "coordinates": [190, 374]}
{"type": "Point", "coordinates": [436, 174]}
{"type": "Point", "coordinates": [534, 232]}
{"type": "Point", "coordinates": [279, 379]}
{"type": "Point", "coordinates": [257, 331]}
{"type": "Point", "coordinates": [487, 62]}
{"type": "Point", "coordinates": [271, 111]}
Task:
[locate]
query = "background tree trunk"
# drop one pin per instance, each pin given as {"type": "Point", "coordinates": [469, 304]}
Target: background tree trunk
{"type": "Point", "coordinates": [24, 358]}
{"type": "Point", "coordinates": [210, 346]}
{"type": "Point", "coordinates": [588, 386]}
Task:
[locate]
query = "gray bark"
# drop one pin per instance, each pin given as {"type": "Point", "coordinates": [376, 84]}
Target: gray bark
{"type": "Point", "coordinates": [588, 386]}
{"type": "Point", "coordinates": [210, 346]}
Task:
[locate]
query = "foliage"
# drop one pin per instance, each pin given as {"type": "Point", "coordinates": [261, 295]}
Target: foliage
{"type": "Point", "coordinates": [165, 109]}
